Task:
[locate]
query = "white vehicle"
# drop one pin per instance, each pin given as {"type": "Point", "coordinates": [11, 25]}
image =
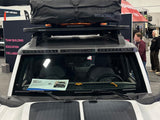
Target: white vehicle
{"type": "Point", "coordinates": [82, 77]}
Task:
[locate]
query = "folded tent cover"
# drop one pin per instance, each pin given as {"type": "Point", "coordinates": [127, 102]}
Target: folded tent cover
{"type": "Point", "coordinates": [127, 8]}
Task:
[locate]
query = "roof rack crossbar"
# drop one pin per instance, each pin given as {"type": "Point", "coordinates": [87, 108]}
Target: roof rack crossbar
{"type": "Point", "coordinates": [75, 30]}
{"type": "Point", "coordinates": [41, 34]}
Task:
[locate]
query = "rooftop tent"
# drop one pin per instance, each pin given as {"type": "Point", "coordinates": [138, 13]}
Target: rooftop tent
{"type": "Point", "coordinates": [127, 8]}
{"type": "Point", "coordinates": [13, 2]}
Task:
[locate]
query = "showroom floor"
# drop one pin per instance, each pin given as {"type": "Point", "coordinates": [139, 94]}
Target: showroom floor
{"type": "Point", "coordinates": [4, 79]}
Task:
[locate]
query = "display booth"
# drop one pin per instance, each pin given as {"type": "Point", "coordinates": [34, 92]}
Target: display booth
{"type": "Point", "coordinates": [139, 21]}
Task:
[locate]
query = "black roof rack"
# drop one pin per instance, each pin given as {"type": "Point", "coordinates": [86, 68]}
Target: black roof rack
{"type": "Point", "coordinates": [41, 34]}
{"type": "Point", "coordinates": [74, 30]}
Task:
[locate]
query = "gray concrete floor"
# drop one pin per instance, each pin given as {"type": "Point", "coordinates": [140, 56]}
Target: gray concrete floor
{"type": "Point", "coordinates": [5, 78]}
{"type": "Point", "coordinates": [154, 79]}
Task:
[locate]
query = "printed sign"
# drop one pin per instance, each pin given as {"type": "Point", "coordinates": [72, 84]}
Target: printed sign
{"type": "Point", "coordinates": [15, 38]}
{"type": "Point", "coordinates": [46, 84]}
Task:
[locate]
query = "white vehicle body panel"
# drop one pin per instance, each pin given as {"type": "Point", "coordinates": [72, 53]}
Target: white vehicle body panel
{"type": "Point", "coordinates": [13, 77]}
{"type": "Point", "coordinates": [146, 80]}
{"type": "Point", "coordinates": [150, 112]}
{"type": "Point", "coordinates": [17, 113]}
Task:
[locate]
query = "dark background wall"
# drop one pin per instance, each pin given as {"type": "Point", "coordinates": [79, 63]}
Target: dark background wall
{"type": "Point", "coordinates": [13, 2]}
{"type": "Point", "coordinates": [14, 38]}
{"type": "Point", "coordinates": [126, 19]}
